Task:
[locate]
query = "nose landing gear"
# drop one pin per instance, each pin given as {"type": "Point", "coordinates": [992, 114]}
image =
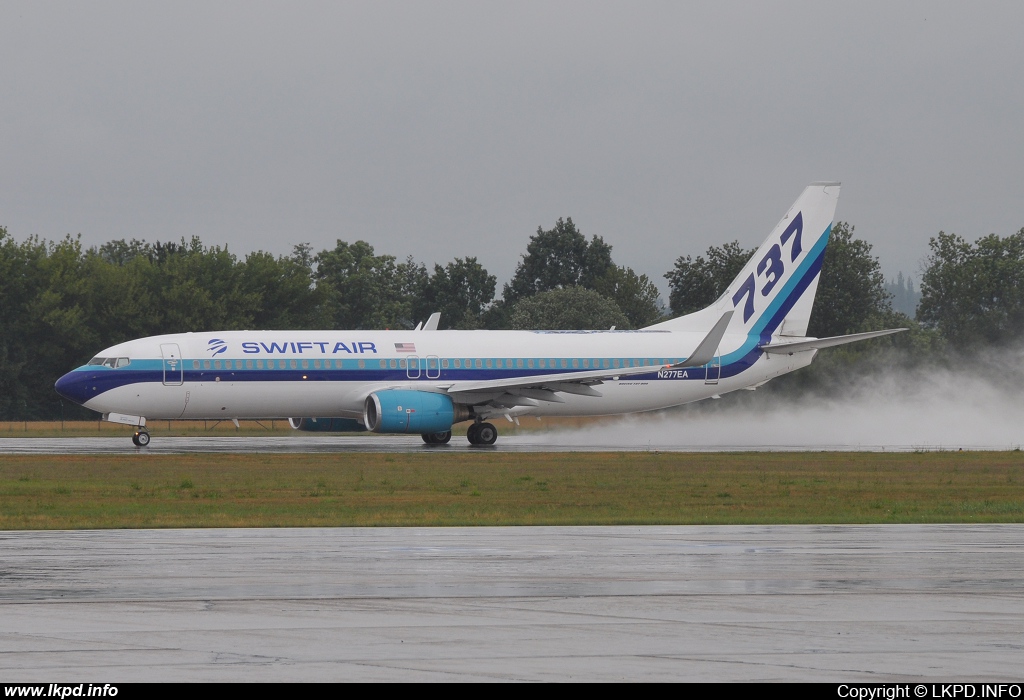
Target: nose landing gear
{"type": "Point", "coordinates": [141, 437]}
{"type": "Point", "coordinates": [482, 434]}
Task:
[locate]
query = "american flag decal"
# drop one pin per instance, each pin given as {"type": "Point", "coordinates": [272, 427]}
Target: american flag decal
{"type": "Point", "coordinates": [405, 347]}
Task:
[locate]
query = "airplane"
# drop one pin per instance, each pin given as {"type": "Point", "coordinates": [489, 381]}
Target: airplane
{"type": "Point", "coordinates": [425, 381]}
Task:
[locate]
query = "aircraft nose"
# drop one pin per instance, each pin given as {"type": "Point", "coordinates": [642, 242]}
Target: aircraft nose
{"type": "Point", "coordinates": [72, 386]}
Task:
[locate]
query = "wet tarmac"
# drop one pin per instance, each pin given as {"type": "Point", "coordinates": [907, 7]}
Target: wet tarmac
{"type": "Point", "coordinates": [739, 603]}
{"type": "Point", "coordinates": [540, 442]}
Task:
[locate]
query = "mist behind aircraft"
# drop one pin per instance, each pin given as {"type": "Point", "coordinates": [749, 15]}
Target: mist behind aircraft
{"type": "Point", "coordinates": [928, 409]}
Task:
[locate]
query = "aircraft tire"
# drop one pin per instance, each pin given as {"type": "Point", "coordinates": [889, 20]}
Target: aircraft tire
{"type": "Point", "coordinates": [472, 434]}
{"type": "Point", "coordinates": [437, 438]}
{"type": "Point", "coordinates": [486, 434]}
{"type": "Point", "coordinates": [141, 438]}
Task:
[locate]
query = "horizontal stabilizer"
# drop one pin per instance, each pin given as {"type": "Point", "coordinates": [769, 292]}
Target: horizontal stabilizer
{"type": "Point", "coordinates": [820, 343]}
{"type": "Point", "coordinates": [708, 347]}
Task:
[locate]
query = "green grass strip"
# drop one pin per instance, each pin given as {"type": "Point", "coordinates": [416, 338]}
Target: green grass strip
{"type": "Point", "coordinates": [140, 490]}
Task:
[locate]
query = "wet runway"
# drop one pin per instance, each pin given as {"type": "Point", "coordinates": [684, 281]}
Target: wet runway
{"type": "Point", "coordinates": [539, 442]}
{"type": "Point", "coordinates": [751, 603]}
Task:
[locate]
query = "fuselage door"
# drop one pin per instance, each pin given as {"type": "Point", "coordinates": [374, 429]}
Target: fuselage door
{"type": "Point", "coordinates": [412, 370]}
{"type": "Point", "coordinates": [713, 370]}
{"type": "Point", "coordinates": [173, 370]}
{"type": "Point", "coordinates": [433, 367]}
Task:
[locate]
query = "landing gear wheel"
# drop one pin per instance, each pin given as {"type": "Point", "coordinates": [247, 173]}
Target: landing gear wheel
{"type": "Point", "coordinates": [140, 438]}
{"type": "Point", "coordinates": [486, 434]}
{"type": "Point", "coordinates": [437, 438]}
{"type": "Point", "coordinates": [482, 434]}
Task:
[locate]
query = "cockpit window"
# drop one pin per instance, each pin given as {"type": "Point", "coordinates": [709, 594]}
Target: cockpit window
{"type": "Point", "coordinates": [112, 362]}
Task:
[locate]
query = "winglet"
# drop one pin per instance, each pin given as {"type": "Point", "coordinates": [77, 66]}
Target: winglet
{"type": "Point", "coordinates": [431, 324]}
{"type": "Point", "coordinates": [708, 347]}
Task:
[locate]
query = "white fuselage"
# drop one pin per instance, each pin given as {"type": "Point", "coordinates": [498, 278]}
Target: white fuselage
{"type": "Point", "coordinates": [281, 374]}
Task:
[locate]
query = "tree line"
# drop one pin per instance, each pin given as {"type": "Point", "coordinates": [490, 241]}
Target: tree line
{"type": "Point", "coordinates": [61, 302]}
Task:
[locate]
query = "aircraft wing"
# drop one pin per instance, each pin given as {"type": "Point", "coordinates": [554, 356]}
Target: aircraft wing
{"type": "Point", "coordinates": [820, 343]}
{"type": "Point", "coordinates": [524, 391]}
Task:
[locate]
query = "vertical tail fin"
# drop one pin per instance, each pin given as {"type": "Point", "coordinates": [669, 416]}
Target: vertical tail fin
{"type": "Point", "coordinates": [774, 292]}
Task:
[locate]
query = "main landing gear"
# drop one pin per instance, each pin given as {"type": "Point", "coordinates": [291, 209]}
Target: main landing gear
{"type": "Point", "coordinates": [482, 434]}
{"type": "Point", "coordinates": [141, 437]}
{"type": "Point", "coordinates": [437, 438]}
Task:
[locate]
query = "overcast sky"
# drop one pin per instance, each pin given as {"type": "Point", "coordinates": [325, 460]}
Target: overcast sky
{"type": "Point", "coordinates": [450, 129]}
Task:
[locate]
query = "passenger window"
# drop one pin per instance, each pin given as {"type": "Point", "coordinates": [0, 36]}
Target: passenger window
{"type": "Point", "coordinates": [458, 364]}
{"type": "Point", "coordinates": [383, 364]}
{"type": "Point", "coordinates": [316, 364]}
{"type": "Point", "coordinates": [294, 364]}
{"type": "Point", "coordinates": [206, 364]}
{"type": "Point", "coordinates": [195, 364]}
{"type": "Point", "coordinates": [444, 364]}
{"type": "Point", "coordinates": [392, 364]}
{"type": "Point", "coordinates": [565, 364]}
{"type": "Point", "coordinates": [401, 364]}
{"type": "Point", "coordinates": [586, 363]}
{"type": "Point", "coordinates": [216, 364]}
{"type": "Point", "coordinates": [362, 364]}
{"type": "Point", "coordinates": [529, 363]}
{"type": "Point", "coordinates": [479, 364]}
{"type": "Point", "coordinates": [248, 364]}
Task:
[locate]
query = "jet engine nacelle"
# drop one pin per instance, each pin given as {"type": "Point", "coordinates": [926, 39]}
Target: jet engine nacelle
{"type": "Point", "coordinates": [327, 425]}
{"type": "Point", "coordinates": [410, 411]}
